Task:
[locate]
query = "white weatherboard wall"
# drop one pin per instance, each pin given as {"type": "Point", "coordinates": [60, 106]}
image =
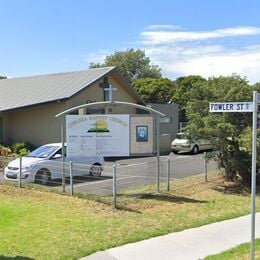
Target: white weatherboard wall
{"type": "Point", "coordinates": [105, 135]}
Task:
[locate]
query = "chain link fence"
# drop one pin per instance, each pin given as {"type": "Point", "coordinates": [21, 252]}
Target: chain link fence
{"type": "Point", "coordinates": [110, 180]}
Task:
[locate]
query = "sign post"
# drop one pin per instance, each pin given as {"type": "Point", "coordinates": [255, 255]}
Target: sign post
{"type": "Point", "coordinates": [253, 182]}
{"type": "Point", "coordinates": [245, 107]}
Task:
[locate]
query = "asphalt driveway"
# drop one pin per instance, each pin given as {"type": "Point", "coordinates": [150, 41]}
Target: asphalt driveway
{"type": "Point", "coordinates": [133, 172]}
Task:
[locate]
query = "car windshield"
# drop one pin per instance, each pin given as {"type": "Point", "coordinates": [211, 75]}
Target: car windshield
{"type": "Point", "coordinates": [43, 151]}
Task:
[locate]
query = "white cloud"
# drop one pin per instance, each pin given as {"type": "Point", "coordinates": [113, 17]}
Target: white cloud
{"type": "Point", "coordinates": [208, 61]}
{"type": "Point", "coordinates": [244, 62]}
{"type": "Point", "coordinates": [97, 57]}
{"type": "Point", "coordinates": [206, 53]}
{"type": "Point", "coordinates": [169, 37]}
{"type": "Point", "coordinates": [162, 27]}
{"type": "Point", "coordinates": [189, 53]}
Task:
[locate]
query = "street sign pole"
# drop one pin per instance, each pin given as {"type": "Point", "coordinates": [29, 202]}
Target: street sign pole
{"type": "Point", "coordinates": [253, 182]}
{"type": "Point", "coordinates": [245, 107]}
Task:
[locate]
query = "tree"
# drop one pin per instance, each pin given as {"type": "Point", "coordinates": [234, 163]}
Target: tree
{"type": "Point", "coordinates": [154, 90]}
{"type": "Point", "coordinates": [256, 86]}
{"type": "Point", "coordinates": [3, 77]}
{"type": "Point", "coordinates": [132, 64]}
{"type": "Point", "coordinates": [182, 92]}
{"type": "Point", "coordinates": [226, 130]}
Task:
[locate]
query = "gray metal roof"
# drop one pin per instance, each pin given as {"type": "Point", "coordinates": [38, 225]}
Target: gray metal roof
{"type": "Point", "coordinates": [27, 91]}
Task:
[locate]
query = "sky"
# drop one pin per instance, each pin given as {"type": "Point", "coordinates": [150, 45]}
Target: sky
{"type": "Point", "coordinates": [183, 37]}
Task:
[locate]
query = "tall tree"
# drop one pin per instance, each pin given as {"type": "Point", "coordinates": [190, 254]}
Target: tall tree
{"type": "Point", "coordinates": [225, 130]}
{"type": "Point", "coordinates": [256, 86]}
{"type": "Point", "coordinates": [155, 90]}
{"type": "Point", "coordinates": [182, 93]}
{"type": "Point", "coordinates": [133, 64]}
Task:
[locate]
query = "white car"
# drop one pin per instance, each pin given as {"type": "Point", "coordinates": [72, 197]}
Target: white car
{"type": "Point", "coordinates": [45, 163]}
{"type": "Point", "coordinates": [182, 143]}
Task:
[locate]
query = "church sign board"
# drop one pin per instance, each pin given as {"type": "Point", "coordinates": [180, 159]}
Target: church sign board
{"type": "Point", "coordinates": [101, 135]}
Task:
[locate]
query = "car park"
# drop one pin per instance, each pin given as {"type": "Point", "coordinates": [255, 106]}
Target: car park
{"type": "Point", "coordinates": [45, 164]}
{"type": "Point", "coordinates": [184, 143]}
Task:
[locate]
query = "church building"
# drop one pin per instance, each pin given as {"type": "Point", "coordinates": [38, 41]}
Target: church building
{"type": "Point", "coordinates": [28, 105]}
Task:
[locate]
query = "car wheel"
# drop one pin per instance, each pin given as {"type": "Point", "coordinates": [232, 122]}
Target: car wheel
{"type": "Point", "coordinates": [43, 177]}
{"type": "Point", "coordinates": [195, 149]}
{"type": "Point", "coordinates": [95, 170]}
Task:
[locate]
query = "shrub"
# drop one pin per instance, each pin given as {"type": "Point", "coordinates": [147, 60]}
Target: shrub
{"type": "Point", "coordinates": [23, 152]}
{"type": "Point", "coordinates": [21, 147]}
{"type": "Point", "coordinates": [4, 150]}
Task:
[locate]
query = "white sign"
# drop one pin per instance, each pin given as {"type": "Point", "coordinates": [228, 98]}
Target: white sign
{"type": "Point", "coordinates": [104, 135]}
{"type": "Point", "coordinates": [258, 97]}
{"type": "Point", "coordinates": [231, 107]}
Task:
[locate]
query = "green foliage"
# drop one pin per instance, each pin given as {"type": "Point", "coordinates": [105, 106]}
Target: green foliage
{"type": "Point", "coordinates": [182, 92]}
{"type": "Point", "coordinates": [21, 148]}
{"type": "Point", "coordinates": [256, 86]}
{"type": "Point", "coordinates": [225, 130]}
{"type": "Point", "coordinates": [132, 64]}
{"type": "Point", "coordinates": [154, 90]}
{"type": "Point", "coordinates": [23, 152]}
{"type": "Point", "coordinates": [184, 86]}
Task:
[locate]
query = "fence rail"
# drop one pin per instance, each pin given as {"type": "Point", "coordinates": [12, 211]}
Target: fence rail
{"type": "Point", "coordinates": [114, 178]}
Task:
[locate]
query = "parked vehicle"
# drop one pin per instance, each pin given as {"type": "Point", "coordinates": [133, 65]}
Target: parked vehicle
{"type": "Point", "coordinates": [44, 164]}
{"type": "Point", "coordinates": [184, 143]}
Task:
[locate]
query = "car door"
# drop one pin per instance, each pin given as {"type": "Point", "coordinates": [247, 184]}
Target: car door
{"type": "Point", "coordinates": [205, 144]}
{"type": "Point", "coordinates": [54, 165]}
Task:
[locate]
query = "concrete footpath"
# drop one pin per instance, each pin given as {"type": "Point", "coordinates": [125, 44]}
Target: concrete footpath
{"type": "Point", "coordinates": [195, 243]}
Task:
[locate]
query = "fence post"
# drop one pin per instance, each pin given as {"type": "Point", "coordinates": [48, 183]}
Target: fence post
{"type": "Point", "coordinates": [168, 173]}
{"type": "Point", "coordinates": [63, 179]}
{"type": "Point", "coordinates": [63, 153]}
{"type": "Point", "coordinates": [158, 152]}
{"type": "Point", "coordinates": [114, 186]}
{"type": "Point", "coordinates": [205, 166]}
{"type": "Point", "coordinates": [20, 172]}
{"type": "Point", "coordinates": [71, 180]}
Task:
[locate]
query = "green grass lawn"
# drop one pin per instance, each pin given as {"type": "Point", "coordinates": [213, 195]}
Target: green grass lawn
{"type": "Point", "coordinates": [241, 252]}
{"type": "Point", "coordinates": [44, 225]}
